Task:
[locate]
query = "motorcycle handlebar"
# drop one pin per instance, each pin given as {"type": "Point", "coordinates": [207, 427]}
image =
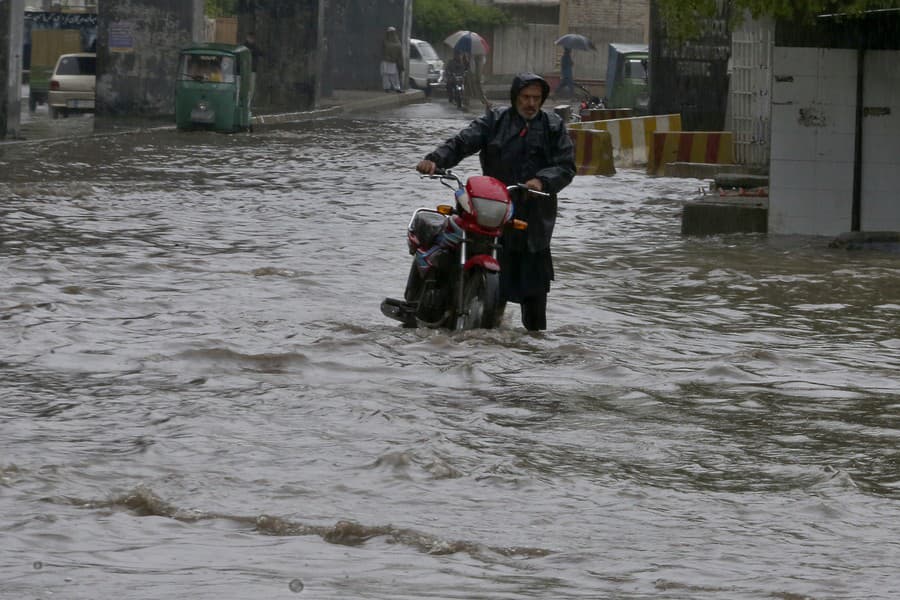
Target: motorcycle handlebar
{"type": "Point", "coordinates": [448, 174]}
{"type": "Point", "coordinates": [522, 186]}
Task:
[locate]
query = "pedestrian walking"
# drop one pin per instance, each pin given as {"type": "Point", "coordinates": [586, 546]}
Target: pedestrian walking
{"type": "Point", "coordinates": [566, 74]}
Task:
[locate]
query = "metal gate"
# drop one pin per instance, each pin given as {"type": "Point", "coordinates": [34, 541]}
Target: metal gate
{"type": "Point", "coordinates": [749, 101]}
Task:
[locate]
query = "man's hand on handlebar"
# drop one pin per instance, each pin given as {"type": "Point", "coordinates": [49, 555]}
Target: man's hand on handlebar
{"type": "Point", "coordinates": [426, 167]}
{"type": "Point", "coordinates": [535, 184]}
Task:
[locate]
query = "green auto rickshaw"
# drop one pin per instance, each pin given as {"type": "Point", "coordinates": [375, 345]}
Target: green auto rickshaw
{"type": "Point", "coordinates": [627, 84]}
{"type": "Point", "coordinates": [214, 87]}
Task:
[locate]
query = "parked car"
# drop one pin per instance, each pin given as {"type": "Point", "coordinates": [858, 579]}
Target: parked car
{"type": "Point", "coordinates": [426, 69]}
{"type": "Point", "coordinates": [73, 84]}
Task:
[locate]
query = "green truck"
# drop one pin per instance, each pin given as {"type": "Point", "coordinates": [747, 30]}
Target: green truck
{"type": "Point", "coordinates": [38, 86]}
{"type": "Point", "coordinates": [627, 82]}
{"type": "Point", "coordinates": [214, 88]}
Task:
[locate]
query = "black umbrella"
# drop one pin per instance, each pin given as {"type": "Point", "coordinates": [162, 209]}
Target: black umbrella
{"type": "Point", "coordinates": [575, 41]}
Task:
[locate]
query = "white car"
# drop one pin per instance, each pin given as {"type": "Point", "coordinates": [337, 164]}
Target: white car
{"type": "Point", "coordinates": [426, 68]}
{"type": "Point", "coordinates": [72, 84]}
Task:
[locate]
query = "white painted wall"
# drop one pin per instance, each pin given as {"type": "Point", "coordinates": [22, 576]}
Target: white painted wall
{"type": "Point", "coordinates": [530, 47]}
{"type": "Point", "coordinates": [811, 170]}
{"type": "Point", "coordinates": [881, 143]}
{"type": "Point", "coordinates": [813, 136]}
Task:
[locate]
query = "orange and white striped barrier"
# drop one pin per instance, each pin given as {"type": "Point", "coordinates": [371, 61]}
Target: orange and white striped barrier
{"type": "Point", "coordinates": [602, 114]}
{"type": "Point", "coordinates": [593, 152]}
{"type": "Point", "coordinates": [632, 138]}
{"type": "Point", "coordinates": [708, 147]}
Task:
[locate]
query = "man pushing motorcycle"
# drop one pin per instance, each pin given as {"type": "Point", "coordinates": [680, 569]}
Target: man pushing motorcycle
{"type": "Point", "coordinates": [520, 144]}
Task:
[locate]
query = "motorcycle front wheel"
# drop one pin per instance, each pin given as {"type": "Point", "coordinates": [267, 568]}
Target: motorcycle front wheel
{"type": "Point", "coordinates": [481, 307]}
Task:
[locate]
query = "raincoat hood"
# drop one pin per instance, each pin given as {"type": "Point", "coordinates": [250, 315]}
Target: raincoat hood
{"type": "Point", "coordinates": [523, 79]}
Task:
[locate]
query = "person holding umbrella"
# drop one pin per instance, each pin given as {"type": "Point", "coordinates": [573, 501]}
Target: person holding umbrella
{"type": "Point", "coordinates": [473, 48]}
{"type": "Point", "coordinates": [569, 42]}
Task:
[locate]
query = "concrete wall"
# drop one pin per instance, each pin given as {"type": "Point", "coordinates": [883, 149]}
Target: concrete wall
{"type": "Point", "coordinates": [11, 27]}
{"type": "Point", "coordinates": [137, 54]}
{"type": "Point", "coordinates": [530, 47]}
{"type": "Point", "coordinates": [526, 45]}
{"type": "Point", "coordinates": [312, 47]}
{"type": "Point", "coordinates": [811, 174]}
{"type": "Point", "coordinates": [288, 35]}
{"type": "Point", "coordinates": [881, 142]}
{"type": "Point", "coordinates": [627, 14]}
{"type": "Point", "coordinates": [814, 135]}
{"type": "Point", "coordinates": [354, 33]}
{"type": "Point", "coordinates": [605, 22]}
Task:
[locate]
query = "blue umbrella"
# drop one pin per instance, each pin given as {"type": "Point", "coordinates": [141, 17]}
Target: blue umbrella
{"type": "Point", "coordinates": [575, 41]}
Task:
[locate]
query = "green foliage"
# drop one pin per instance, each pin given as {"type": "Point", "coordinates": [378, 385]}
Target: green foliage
{"type": "Point", "coordinates": [682, 17]}
{"type": "Point", "coordinates": [433, 20]}
{"type": "Point", "coordinates": [221, 8]}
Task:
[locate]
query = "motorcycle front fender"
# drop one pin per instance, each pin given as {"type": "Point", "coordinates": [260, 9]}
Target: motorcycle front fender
{"type": "Point", "coordinates": [488, 263]}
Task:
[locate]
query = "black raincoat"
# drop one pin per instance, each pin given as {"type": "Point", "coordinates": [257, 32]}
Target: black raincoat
{"type": "Point", "coordinates": [515, 150]}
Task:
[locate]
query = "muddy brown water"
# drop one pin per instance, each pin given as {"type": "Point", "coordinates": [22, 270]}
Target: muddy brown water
{"type": "Point", "coordinates": [200, 396]}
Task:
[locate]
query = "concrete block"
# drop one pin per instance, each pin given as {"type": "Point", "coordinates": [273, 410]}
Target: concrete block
{"type": "Point", "coordinates": [603, 114]}
{"type": "Point", "coordinates": [868, 240]}
{"type": "Point", "coordinates": [719, 215]}
{"type": "Point", "coordinates": [731, 180]}
{"type": "Point", "coordinates": [713, 147]}
{"type": "Point", "coordinates": [633, 136]}
{"type": "Point", "coordinates": [593, 152]}
{"type": "Point", "coordinates": [695, 170]}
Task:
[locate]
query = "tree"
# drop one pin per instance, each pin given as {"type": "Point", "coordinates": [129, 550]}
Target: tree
{"type": "Point", "coordinates": [221, 8]}
{"type": "Point", "coordinates": [681, 17]}
{"type": "Point", "coordinates": [436, 19]}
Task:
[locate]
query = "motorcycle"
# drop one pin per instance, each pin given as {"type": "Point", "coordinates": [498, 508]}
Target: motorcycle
{"type": "Point", "coordinates": [454, 281]}
{"type": "Point", "coordinates": [588, 102]}
{"type": "Point", "coordinates": [457, 90]}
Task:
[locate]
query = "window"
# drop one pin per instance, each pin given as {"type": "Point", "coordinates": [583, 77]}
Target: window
{"type": "Point", "coordinates": [77, 65]}
{"type": "Point", "coordinates": [634, 69]}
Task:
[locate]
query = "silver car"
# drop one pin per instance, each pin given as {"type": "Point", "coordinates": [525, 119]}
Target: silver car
{"type": "Point", "coordinates": [73, 84]}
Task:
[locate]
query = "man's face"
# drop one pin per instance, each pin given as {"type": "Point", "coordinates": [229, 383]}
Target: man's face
{"type": "Point", "coordinates": [528, 102]}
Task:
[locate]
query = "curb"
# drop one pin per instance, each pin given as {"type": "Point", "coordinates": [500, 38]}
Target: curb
{"type": "Point", "coordinates": [337, 107]}
{"type": "Point", "coordinates": [345, 107]}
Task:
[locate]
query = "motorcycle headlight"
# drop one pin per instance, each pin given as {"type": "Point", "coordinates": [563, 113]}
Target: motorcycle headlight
{"type": "Point", "coordinates": [491, 213]}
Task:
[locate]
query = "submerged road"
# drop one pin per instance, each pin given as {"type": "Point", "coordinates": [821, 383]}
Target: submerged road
{"type": "Point", "coordinates": [200, 396]}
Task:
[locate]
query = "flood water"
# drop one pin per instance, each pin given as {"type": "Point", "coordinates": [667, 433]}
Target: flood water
{"type": "Point", "coordinates": [201, 398]}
